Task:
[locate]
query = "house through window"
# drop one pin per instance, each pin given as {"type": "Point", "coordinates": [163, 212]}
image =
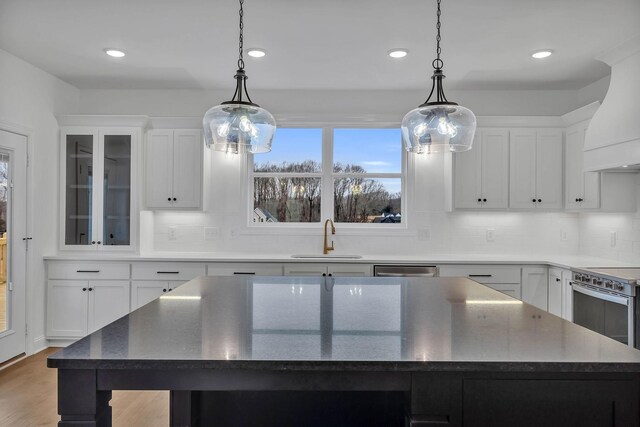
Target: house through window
{"type": "Point", "coordinates": [348, 175]}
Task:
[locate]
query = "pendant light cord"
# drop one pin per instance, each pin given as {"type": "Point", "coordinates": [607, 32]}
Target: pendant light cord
{"type": "Point", "coordinates": [241, 39]}
{"type": "Point", "coordinates": [437, 63]}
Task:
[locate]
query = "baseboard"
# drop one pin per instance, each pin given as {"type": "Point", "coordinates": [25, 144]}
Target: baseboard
{"type": "Point", "coordinates": [60, 343]}
{"type": "Point", "coordinates": [39, 344]}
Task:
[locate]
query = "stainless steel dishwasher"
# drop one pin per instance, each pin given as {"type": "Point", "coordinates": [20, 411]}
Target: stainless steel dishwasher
{"type": "Point", "coordinates": [405, 270]}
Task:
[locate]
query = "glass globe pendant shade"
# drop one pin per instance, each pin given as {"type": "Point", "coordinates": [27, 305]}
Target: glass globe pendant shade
{"type": "Point", "coordinates": [235, 127]}
{"type": "Point", "coordinates": [437, 127]}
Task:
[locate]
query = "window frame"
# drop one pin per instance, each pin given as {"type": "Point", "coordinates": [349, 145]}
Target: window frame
{"type": "Point", "coordinates": [327, 177]}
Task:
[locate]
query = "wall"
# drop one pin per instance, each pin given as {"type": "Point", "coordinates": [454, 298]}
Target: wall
{"type": "Point", "coordinates": [445, 232]}
{"type": "Point", "coordinates": [595, 234]}
{"type": "Point", "coordinates": [30, 98]}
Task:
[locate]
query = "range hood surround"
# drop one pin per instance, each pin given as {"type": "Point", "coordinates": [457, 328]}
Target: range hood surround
{"type": "Point", "coordinates": [613, 136]}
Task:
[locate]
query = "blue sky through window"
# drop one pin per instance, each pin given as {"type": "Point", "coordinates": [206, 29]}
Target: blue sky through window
{"type": "Point", "coordinates": [293, 145]}
{"type": "Point", "coordinates": [376, 150]}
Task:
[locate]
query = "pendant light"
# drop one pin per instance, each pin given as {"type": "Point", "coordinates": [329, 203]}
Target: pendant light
{"type": "Point", "coordinates": [239, 125]}
{"type": "Point", "coordinates": [438, 125]}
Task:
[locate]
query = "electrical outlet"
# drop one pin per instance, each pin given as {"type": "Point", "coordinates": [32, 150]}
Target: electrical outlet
{"type": "Point", "coordinates": [211, 233]}
{"type": "Point", "coordinates": [563, 235]}
{"type": "Point", "coordinates": [613, 236]}
{"type": "Point", "coordinates": [491, 234]}
{"type": "Point", "coordinates": [233, 233]}
{"type": "Point", "coordinates": [172, 233]}
{"type": "Point", "coordinates": [424, 234]}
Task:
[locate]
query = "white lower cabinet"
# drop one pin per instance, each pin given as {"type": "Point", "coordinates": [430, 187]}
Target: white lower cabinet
{"type": "Point", "coordinates": [555, 291]}
{"type": "Point", "coordinates": [535, 287]}
{"type": "Point", "coordinates": [243, 268]}
{"type": "Point", "coordinates": [152, 279]}
{"type": "Point", "coordinates": [567, 296]}
{"type": "Point", "coordinates": [335, 270]}
{"type": "Point", "coordinates": [502, 278]}
{"type": "Point", "coordinates": [145, 291]}
{"type": "Point", "coordinates": [76, 308]}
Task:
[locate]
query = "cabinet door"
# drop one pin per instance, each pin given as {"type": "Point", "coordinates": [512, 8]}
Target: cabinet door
{"type": "Point", "coordinates": [116, 151]}
{"type": "Point", "coordinates": [159, 169]}
{"type": "Point", "coordinates": [187, 168]}
{"type": "Point", "coordinates": [67, 304]}
{"type": "Point", "coordinates": [555, 292]}
{"type": "Point", "coordinates": [349, 270]}
{"type": "Point", "coordinates": [77, 172]}
{"type": "Point", "coordinates": [495, 168]}
{"type": "Point", "coordinates": [567, 296]}
{"type": "Point", "coordinates": [522, 169]}
{"type": "Point", "coordinates": [108, 301]}
{"type": "Point", "coordinates": [535, 286]}
{"type": "Point", "coordinates": [549, 170]}
{"type": "Point", "coordinates": [143, 292]}
{"type": "Point", "coordinates": [467, 176]}
{"type": "Point", "coordinates": [582, 188]}
{"type": "Point", "coordinates": [305, 269]}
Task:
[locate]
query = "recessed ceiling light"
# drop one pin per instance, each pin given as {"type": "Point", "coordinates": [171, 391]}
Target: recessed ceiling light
{"type": "Point", "coordinates": [543, 53]}
{"type": "Point", "coordinates": [256, 53]}
{"type": "Point", "coordinates": [114, 53]}
{"type": "Point", "coordinates": [398, 53]}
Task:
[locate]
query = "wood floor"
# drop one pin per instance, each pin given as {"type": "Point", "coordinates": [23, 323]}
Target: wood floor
{"type": "Point", "coordinates": [28, 398]}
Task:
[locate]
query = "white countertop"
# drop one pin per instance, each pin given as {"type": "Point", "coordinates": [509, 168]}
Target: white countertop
{"type": "Point", "coordinates": [563, 261]}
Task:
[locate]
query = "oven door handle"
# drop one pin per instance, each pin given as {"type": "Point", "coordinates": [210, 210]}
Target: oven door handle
{"type": "Point", "coordinates": [600, 295]}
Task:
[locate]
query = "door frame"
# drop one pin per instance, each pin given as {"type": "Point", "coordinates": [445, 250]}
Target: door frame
{"type": "Point", "coordinates": [32, 344]}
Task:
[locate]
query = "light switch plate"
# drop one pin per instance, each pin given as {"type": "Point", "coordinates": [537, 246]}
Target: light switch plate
{"type": "Point", "coordinates": [563, 235]}
{"type": "Point", "coordinates": [172, 232]}
{"type": "Point", "coordinates": [491, 235]}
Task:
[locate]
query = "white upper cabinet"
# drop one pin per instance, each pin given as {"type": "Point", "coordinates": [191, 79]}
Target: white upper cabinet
{"type": "Point", "coordinates": [582, 188]}
{"type": "Point", "coordinates": [482, 174]}
{"type": "Point", "coordinates": [98, 179]}
{"type": "Point", "coordinates": [536, 169]}
{"type": "Point", "coordinates": [174, 169]}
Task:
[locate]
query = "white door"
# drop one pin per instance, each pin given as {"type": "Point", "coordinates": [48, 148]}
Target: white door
{"type": "Point", "coordinates": [108, 301]}
{"type": "Point", "coordinates": [522, 169]}
{"type": "Point", "coordinates": [13, 246]}
{"type": "Point", "coordinates": [549, 169]}
{"type": "Point", "coordinates": [535, 287]}
{"type": "Point", "coordinates": [67, 306]}
{"type": "Point", "coordinates": [159, 169]}
{"type": "Point", "coordinates": [467, 179]}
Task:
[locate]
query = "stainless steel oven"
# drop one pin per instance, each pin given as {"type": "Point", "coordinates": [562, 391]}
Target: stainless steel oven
{"type": "Point", "coordinates": [606, 303]}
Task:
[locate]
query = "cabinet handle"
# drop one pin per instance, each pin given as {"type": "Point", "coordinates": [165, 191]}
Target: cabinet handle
{"type": "Point", "coordinates": [330, 274]}
{"type": "Point", "coordinates": [167, 272]}
{"type": "Point", "coordinates": [479, 200]}
{"type": "Point", "coordinates": [480, 275]}
{"type": "Point", "coordinates": [98, 242]}
{"type": "Point", "coordinates": [484, 200]}
{"type": "Point", "coordinates": [169, 199]}
{"type": "Point", "coordinates": [324, 274]}
{"type": "Point", "coordinates": [557, 280]}
{"type": "Point", "coordinates": [580, 200]}
{"type": "Point", "coordinates": [87, 271]}
{"type": "Point", "coordinates": [428, 420]}
{"type": "Point", "coordinates": [170, 289]}
{"type": "Point", "coordinates": [174, 199]}
{"type": "Point", "coordinates": [93, 242]}
{"type": "Point", "coordinates": [164, 290]}
{"type": "Point", "coordinates": [533, 200]}
{"type": "Point", "coordinates": [84, 289]}
{"type": "Point", "coordinates": [248, 273]}
{"type": "Point", "coordinates": [90, 289]}
{"type": "Point", "coordinates": [539, 200]}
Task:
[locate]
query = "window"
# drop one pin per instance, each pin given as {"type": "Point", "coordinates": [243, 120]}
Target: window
{"type": "Point", "coordinates": [349, 175]}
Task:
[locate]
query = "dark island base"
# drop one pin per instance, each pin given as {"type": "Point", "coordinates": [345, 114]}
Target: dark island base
{"type": "Point", "coordinates": [295, 409]}
{"type": "Point", "coordinates": [315, 398]}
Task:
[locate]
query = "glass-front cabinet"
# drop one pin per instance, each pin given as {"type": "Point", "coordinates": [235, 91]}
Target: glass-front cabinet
{"type": "Point", "coordinates": [98, 186]}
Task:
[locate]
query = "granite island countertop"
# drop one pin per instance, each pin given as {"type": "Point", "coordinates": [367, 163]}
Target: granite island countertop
{"type": "Point", "coordinates": [324, 324]}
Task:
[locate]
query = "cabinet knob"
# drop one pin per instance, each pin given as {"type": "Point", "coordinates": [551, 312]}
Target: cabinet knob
{"type": "Point", "coordinates": [93, 242]}
{"type": "Point", "coordinates": [577, 200]}
{"type": "Point", "coordinates": [330, 275]}
{"type": "Point", "coordinates": [164, 290]}
{"type": "Point", "coordinates": [479, 200]}
{"type": "Point", "coordinates": [533, 200]}
{"type": "Point", "coordinates": [84, 289]}
{"type": "Point", "coordinates": [557, 280]}
{"type": "Point", "coordinates": [539, 200]}
{"type": "Point", "coordinates": [174, 199]}
{"type": "Point", "coordinates": [324, 274]}
{"type": "Point", "coordinates": [169, 199]}
{"type": "Point", "coordinates": [98, 242]}
{"type": "Point", "coordinates": [580, 200]}
{"type": "Point", "coordinates": [170, 289]}
{"type": "Point", "coordinates": [484, 200]}
{"type": "Point", "coordinates": [90, 289]}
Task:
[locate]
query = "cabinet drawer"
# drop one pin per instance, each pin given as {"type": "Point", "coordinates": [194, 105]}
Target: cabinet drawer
{"type": "Point", "coordinates": [167, 270]}
{"type": "Point", "coordinates": [511, 289]}
{"type": "Point", "coordinates": [87, 271]}
{"type": "Point", "coordinates": [483, 273]}
{"type": "Point", "coordinates": [240, 268]}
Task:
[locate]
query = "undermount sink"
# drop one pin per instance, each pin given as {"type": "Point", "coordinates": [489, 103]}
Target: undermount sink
{"type": "Point", "coordinates": [328, 256]}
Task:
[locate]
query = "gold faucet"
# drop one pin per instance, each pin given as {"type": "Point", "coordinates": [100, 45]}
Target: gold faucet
{"type": "Point", "coordinates": [328, 248]}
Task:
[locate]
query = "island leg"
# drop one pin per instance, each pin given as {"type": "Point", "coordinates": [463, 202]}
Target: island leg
{"type": "Point", "coordinates": [80, 404]}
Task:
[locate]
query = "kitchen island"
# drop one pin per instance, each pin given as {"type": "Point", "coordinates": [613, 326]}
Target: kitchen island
{"type": "Point", "coordinates": [351, 351]}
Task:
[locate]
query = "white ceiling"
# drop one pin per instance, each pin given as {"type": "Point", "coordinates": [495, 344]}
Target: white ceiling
{"type": "Point", "coordinates": [321, 44]}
